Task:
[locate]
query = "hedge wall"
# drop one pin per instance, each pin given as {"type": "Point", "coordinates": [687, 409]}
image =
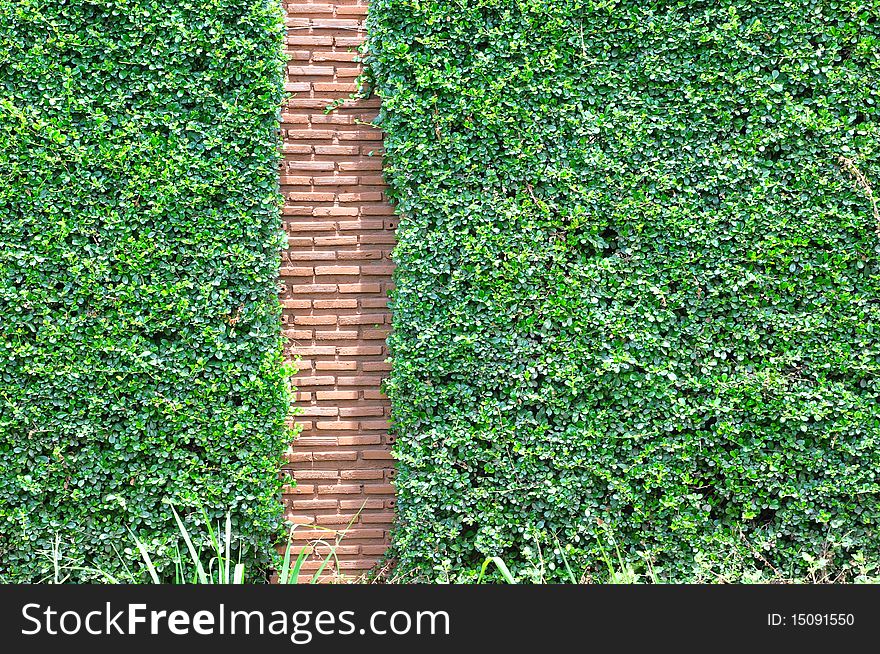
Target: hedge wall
{"type": "Point", "coordinates": [140, 355]}
{"type": "Point", "coordinates": [638, 284]}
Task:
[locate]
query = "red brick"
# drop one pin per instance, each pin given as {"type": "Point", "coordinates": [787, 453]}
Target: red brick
{"type": "Point", "coordinates": [337, 150]}
{"type": "Point", "coordinates": [373, 550]}
{"type": "Point", "coordinates": [378, 489]}
{"type": "Point", "coordinates": [310, 255]}
{"type": "Point", "coordinates": [384, 271]}
{"type": "Point", "coordinates": [297, 272]}
{"type": "Point", "coordinates": [363, 380]}
{"type": "Point", "coordinates": [301, 505]}
{"type": "Point", "coordinates": [334, 455]}
{"type": "Point", "coordinates": [338, 425]}
{"type": "Point", "coordinates": [314, 381]}
{"type": "Point", "coordinates": [310, 8]}
{"type": "Point", "coordinates": [297, 87]}
{"type": "Point", "coordinates": [335, 336]}
{"type": "Point", "coordinates": [378, 517]}
{"type": "Point", "coordinates": [315, 320]}
{"type": "Point", "coordinates": [335, 181]}
{"type": "Point", "coordinates": [337, 270]}
{"type": "Point", "coordinates": [377, 238]}
{"type": "Point", "coordinates": [339, 489]}
{"type": "Point", "coordinates": [348, 41]}
{"type": "Point", "coordinates": [334, 304]}
{"type": "Point", "coordinates": [368, 196]}
{"type": "Point", "coordinates": [296, 304]}
{"type": "Point", "coordinates": [361, 474]}
{"type": "Point", "coordinates": [321, 212]}
{"type": "Point", "coordinates": [316, 474]}
{"type": "Point", "coordinates": [310, 165]}
{"type": "Point", "coordinates": [360, 350]}
{"type": "Point", "coordinates": [360, 288]}
{"type": "Point", "coordinates": [313, 289]}
{"type": "Point", "coordinates": [335, 240]}
{"type": "Point", "coordinates": [310, 70]}
{"type": "Point", "coordinates": [346, 24]}
{"type": "Point", "coordinates": [321, 411]}
{"type": "Point", "coordinates": [360, 225]}
{"type": "Point", "coordinates": [359, 440]}
{"type": "Point", "coordinates": [338, 520]}
{"type": "Point", "coordinates": [375, 424]}
{"type": "Point", "coordinates": [360, 411]}
{"type": "Point", "coordinates": [354, 10]}
{"type": "Point", "coordinates": [311, 197]}
{"type": "Point", "coordinates": [364, 534]}
{"type": "Point", "coordinates": [314, 351]}
{"type": "Point", "coordinates": [354, 255]}
{"type": "Point", "coordinates": [336, 365]}
{"type": "Point", "coordinates": [336, 395]}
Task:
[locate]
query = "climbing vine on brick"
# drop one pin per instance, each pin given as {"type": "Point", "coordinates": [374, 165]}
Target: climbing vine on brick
{"type": "Point", "coordinates": [637, 289]}
{"type": "Point", "coordinates": [140, 354]}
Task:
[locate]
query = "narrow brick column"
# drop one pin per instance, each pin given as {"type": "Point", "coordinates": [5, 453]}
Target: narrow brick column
{"type": "Point", "coordinates": [335, 277]}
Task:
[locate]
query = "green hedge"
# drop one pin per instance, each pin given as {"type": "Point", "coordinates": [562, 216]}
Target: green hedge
{"type": "Point", "coordinates": [638, 284]}
{"type": "Point", "coordinates": [140, 353]}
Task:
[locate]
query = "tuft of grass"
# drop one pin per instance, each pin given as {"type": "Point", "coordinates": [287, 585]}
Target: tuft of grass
{"type": "Point", "coordinates": [617, 570]}
{"type": "Point", "coordinates": [216, 565]}
{"type": "Point", "coordinates": [502, 568]}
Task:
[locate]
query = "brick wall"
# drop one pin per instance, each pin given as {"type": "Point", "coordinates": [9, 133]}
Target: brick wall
{"type": "Point", "coordinates": [335, 276]}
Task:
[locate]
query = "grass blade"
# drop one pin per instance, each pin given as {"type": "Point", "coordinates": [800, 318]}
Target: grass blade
{"type": "Point", "coordinates": [502, 568]}
{"type": "Point", "coordinates": [145, 555]}
{"type": "Point", "coordinates": [285, 565]}
{"type": "Point", "coordinates": [571, 576]}
{"type": "Point", "coordinates": [323, 565]}
{"type": "Point", "coordinates": [228, 545]}
{"type": "Point", "coordinates": [200, 570]}
{"type": "Point", "coordinates": [297, 566]}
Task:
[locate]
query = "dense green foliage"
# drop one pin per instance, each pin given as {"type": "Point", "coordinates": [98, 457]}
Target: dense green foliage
{"type": "Point", "coordinates": [638, 284]}
{"type": "Point", "coordinates": [140, 354]}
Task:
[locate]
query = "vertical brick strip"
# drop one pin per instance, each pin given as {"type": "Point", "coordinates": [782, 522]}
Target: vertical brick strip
{"type": "Point", "coordinates": [335, 277]}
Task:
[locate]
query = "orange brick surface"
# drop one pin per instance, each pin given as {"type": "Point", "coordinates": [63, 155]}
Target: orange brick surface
{"type": "Point", "coordinates": [334, 282]}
